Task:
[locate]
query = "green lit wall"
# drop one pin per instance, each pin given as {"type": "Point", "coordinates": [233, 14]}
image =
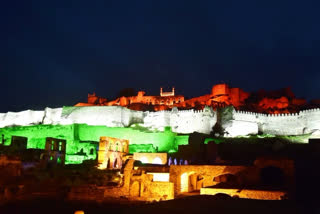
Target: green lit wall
{"type": "Point", "coordinates": [82, 139]}
{"type": "Point", "coordinates": [164, 141]}
{"type": "Point", "coordinates": [37, 134]}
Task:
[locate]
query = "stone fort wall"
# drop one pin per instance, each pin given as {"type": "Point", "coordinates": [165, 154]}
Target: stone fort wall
{"type": "Point", "coordinates": [304, 122]}
{"type": "Point", "coordinates": [186, 121]}
{"type": "Point", "coordinates": [180, 121]}
{"type": "Point", "coordinates": [183, 121]}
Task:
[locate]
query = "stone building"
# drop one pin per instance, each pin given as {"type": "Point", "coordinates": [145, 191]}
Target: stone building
{"type": "Point", "coordinates": [111, 152]}
{"type": "Point", "coordinates": [139, 185]}
{"type": "Point", "coordinates": [55, 151]}
{"type": "Point", "coordinates": [221, 95]}
{"type": "Point", "coordinates": [151, 158]}
{"type": "Point", "coordinates": [267, 178]}
{"type": "Point", "coordinates": [164, 99]}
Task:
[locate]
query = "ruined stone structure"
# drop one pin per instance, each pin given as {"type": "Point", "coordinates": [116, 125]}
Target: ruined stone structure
{"type": "Point", "coordinates": [189, 178]}
{"type": "Point", "coordinates": [151, 158]}
{"type": "Point", "coordinates": [55, 151]}
{"type": "Point", "coordinates": [94, 99]}
{"type": "Point", "coordinates": [165, 99]}
{"type": "Point", "coordinates": [111, 152]}
{"type": "Point", "coordinates": [156, 183]}
{"type": "Point", "coordinates": [231, 179]}
{"type": "Point", "coordinates": [221, 95]}
{"type": "Point", "coordinates": [19, 143]}
{"type": "Point", "coordinates": [138, 185]}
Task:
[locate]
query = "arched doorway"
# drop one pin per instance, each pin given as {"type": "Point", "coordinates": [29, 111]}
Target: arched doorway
{"type": "Point", "coordinates": [188, 182]}
{"type": "Point", "coordinates": [116, 163]}
{"type": "Point", "coordinates": [157, 160]}
{"type": "Point", "coordinates": [108, 163]}
{"type": "Point", "coordinates": [91, 151]}
{"type": "Point", "coordinates": [144, 160]}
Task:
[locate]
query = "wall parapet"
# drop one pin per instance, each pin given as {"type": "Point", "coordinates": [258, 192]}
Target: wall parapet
{"type": "Point", "coordinates": [180, 121]}
{"type": "Point", "coordinates": [303, 122]}
{"type": "Point", "coordinates": [302, 112]}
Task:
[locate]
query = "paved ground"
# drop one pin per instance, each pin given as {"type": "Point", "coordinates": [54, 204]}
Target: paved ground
{"type": "Point", "coordinates": [191, 204]}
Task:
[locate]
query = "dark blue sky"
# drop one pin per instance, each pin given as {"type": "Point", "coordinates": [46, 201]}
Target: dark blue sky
{"type": "Point", "coordinates": [52, 53]}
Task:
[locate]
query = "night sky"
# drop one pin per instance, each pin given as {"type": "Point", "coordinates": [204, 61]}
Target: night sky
{"type": "Point", "coordinates": [53, 53]}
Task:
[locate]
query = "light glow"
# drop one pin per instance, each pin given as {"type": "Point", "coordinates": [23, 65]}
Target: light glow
{"type": "Point", "coordinates": [163, 177]}
{"type": "Point", "coordinates": [144, 160]}
{"type": "Point", "coordinates": [157, 160]}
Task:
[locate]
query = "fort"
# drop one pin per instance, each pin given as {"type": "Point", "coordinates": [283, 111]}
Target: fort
{"type": "Point", "coordinates": [171, 147]}
{"type": "Point", "coordinates": [162, 102]}
{"type": "Point", "coordinates": [161, 131]}
{"type": "Point", "coordinates": [221, 95]}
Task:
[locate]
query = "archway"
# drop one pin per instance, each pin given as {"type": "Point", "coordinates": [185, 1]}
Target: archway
{"type": "Point", "coordinates": [118, 145]}
{"type": "Point", "coordinates": [187, 182]}
{"type": "Point", "coordinates": [157, 160]}
{"type": "Point", "coordinates": [116, 163]}
{"type": "Point", "coordinates": [144, 160]}
{"type": "Point", "coordinates": [124, 147]}
{"type": "Point", "coordinates": [91, 151]}
{"type": "Point", "coordinates": [108, 163]}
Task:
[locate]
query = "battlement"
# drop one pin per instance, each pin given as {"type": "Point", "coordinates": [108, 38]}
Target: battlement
{"type": "Point", "coordinates": [303, 122]}
{"type": "Point", "coordinates": [180, 121]}
{"type": "Point", "coordinates": [303, 112]}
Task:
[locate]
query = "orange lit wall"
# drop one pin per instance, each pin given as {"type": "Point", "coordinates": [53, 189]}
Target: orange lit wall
{"type": "Point", "coordinates": [148, 100]}
{"type": "Point", "coordinates": [268, 103]}
{"type": "Point", "coordinates": [281, 101]}
{"type": "Point", "coordinates": [220, 89]}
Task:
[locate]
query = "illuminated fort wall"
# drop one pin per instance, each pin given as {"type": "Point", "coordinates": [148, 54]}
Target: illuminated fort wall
{"type": "Point", "coordinates": [82, 139]}
{"type": "Point", "coordinates": [185, 121]}
{"type": "Point", "coordinates": [146, 131]}
{"type": "Point", "coordinates": [304, 122]}
{"type": "Point", "coordinates": [181, 121]}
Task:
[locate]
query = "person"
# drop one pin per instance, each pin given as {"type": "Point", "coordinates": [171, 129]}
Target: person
{"type": "Point", "coordinates": [170, 161]}
{"type": "Point", "coordinates": [181, 161]}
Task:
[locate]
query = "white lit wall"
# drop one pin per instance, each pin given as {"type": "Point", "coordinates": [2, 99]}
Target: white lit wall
{"type": "Point", "coordinates": [180, 121]}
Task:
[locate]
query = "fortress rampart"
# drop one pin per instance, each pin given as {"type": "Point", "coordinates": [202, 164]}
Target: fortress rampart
{"type": "Point", "coordinates": [180, 121]}
{"type": "Point", "coordinates": [304, 122]}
